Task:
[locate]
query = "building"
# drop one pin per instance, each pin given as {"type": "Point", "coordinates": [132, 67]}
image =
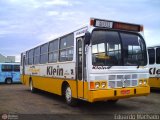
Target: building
{"type": "Point", "coordinates": [7, 59]}
{"type": "Point", "coordinates": [2, 58]}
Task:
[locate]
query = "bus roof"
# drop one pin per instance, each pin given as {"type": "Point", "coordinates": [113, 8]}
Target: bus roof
{"type": "Point", "coordinates": [13, 63]}
{"type": "Point", "coordinates": [114, 21]}
{"type": "Point", "coordinates": [92, 23]}
{"type": "Point", "coordinates": [153, 46]}
{"type": "Point", "coordinates": [116, 25]}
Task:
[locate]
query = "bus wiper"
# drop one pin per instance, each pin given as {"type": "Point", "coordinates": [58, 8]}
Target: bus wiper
{"type": "Point", "coordinates": [138, 64]}
{"type": "Point", "coordinates": [109, 67]}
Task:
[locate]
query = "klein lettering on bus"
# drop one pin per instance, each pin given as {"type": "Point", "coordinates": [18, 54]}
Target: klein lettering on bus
{"type": "Point", "coordinates": [154, 71]}
{"type": "Point", "coordinates": [81, 32]}
{"type": "Point", "coordinates": [99, 67]}
{"type": "Point", "coordinates": [54, 71]}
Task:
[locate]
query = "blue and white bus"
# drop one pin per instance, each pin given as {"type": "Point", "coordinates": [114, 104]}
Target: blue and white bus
{"type": "Point", "coordinates": [9, 73]}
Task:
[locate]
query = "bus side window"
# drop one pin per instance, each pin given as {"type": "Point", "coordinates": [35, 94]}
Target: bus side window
{"type": "Point", "coordinates": [53, 51]}
{"type": "Point", "coordinates": [16, 68]}
{"type": "Point", "coordinates": [158, 55]}
{"type": "Point", "coordinates": [36, 55]}
{"type": "Point", "coordinates": [6, 68]}
{"type": "Point", "coordinates": [30, 56]}
{"type": "Point", "coordinates": [66, 48]}
{"type": "Point", "coordinates": [26, 58]}
{"type": "Point", "coordinates": [151, 53]}
{"type": "Point", "coordinates": [44, 54]}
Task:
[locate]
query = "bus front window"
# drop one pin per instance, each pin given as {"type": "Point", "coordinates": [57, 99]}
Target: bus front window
{"type": "Point", "coordinates": [106, 48]}
{"type": "Point", "coordinates": [107, 45]}
{"type": "Point", "coordinates": [134, 50]}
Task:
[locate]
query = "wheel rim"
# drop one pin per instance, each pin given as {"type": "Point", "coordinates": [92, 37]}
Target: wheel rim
{"type": "Point", "coordinates": [31, 87]}
{"type": "Point", "coordinates": [9, 81]}
{"type": "Point", "coordinates": [68, 94]}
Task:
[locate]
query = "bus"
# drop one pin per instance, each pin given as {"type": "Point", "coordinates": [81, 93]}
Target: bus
{"type": "Point", "coordinates": [154, 66]}
{"type": "Point", "coordinates": [10, 73]}
{"type": "Point", "coordinates": [104, 61]}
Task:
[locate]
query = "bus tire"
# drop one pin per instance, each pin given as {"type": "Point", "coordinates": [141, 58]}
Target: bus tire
{"type": "Point", "coordinates": [112, 101]}
{"type": "Point", "coordinates": [8, 81]}
{"type": "Point", "coordinates": [32, 89]}
{"type": "Point", "coordinates": [68, 96]}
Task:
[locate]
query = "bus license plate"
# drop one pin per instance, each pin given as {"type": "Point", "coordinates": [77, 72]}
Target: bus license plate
{"type": "Point", "coordinates": [125, 92]}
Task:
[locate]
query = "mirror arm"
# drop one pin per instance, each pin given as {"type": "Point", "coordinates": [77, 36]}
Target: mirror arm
{"type": "Point", "coordinates": [87, 38]}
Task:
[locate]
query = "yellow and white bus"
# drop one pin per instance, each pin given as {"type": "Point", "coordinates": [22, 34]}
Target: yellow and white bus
{"type": "Point", "coordinates": [154, 66]}
{"type": "Point", "coordinates": [106, 60]}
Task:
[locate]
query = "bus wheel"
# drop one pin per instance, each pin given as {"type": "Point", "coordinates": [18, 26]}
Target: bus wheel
{"type": "Point", "coordinates": [32, 89]}
{"type": "Point", "coordinates": [112, 101]}
{"type": "Point", "coordinates": [8, 81]}
{"type": "Point", "coordinates": [68, 96]}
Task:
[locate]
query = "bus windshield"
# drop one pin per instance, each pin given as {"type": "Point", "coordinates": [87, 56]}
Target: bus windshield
{"type": "Point", "coordinates": [114, 48]}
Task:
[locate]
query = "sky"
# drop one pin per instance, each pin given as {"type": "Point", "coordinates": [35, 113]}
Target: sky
{"type": "Point", "coordinates": [25, 24]}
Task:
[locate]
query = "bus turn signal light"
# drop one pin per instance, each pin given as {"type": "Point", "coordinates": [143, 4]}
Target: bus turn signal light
{"type": "Point", "coordinates": [92, 22]}
{"type": "Point", "coordinates": [141, 28]}
{"type": "Point", "coordinates": [92, 85]}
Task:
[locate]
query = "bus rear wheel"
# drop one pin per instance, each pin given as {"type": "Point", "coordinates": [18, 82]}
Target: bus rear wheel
{"type": "Point", "coordinates": [112, 101]}
{"type": "Point", "coordinates": [32, 89]}
{"type": "Point", "coordinates": [8, 81]}
{"type": "Point", "coordinates": [68, 96]}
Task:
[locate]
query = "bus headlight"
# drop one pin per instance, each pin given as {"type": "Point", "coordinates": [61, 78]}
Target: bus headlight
{"type": "Point", "coordinates": [103, 84]}
{"type": "Point", "coordinates": [140, 82]}
{"type": "Point", "coordinates": [145, 82]}
{"type": "Point", "coordinates": [97, 85]}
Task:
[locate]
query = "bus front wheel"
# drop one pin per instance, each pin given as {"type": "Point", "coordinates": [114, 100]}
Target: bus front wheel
{"type": "Point", "coordinates": [32, 89]}
{"type": "Point", "coordinates": [68, 96]}
{"type": "Point", "coordinates": [8, 81]}
{"type": "Point", "coordinates": [112, 101]}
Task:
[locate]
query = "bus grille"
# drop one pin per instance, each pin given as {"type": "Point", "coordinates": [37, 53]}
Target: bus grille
{"type": "Point", "coordinates": [117, 81]}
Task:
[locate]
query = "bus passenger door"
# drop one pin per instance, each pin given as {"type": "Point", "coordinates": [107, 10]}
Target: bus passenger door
{"type": "Point", "coordinates": [16, 73]}
{"type": "Point", "coordinates": [79, 70]}
{"type": "Point", "coordinates": [22, 67]}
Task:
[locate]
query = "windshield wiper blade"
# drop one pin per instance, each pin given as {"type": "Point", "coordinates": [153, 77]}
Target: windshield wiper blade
{"type": "Point", "coordinates": [109, 67]}
{"type": "Point", "coordinates": [138, 64]}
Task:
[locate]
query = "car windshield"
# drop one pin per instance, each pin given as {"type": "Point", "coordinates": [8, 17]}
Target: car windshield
{"type": "Point", "coordinates": [113, 48]}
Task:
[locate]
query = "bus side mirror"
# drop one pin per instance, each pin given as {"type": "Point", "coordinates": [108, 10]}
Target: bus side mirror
{"type": "Point", "coordinates": [87, 38]}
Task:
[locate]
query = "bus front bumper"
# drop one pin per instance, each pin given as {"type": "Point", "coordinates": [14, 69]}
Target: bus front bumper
{"type": "Point", "coordinates": [119, 93]}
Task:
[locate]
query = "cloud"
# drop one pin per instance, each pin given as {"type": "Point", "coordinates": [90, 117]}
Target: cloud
{"type": "Point", "coordinates": [25, 3]}
{"type": "Point", "coordinates": [52, 13]}
{"type": "Point", "coordinates": [32, 22]}
{"type": "Point", "coordinates": [48, 37]}
{"type": "Point", "coordinates": [150, 37]}
{"type": "Point", "coordinates": [3, 22]}
{"type": "Point", "coordinates": [3, 32]}
{"type": "Point", "coordinates": [58, 3]}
